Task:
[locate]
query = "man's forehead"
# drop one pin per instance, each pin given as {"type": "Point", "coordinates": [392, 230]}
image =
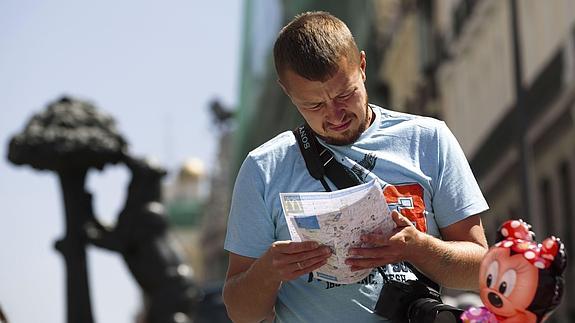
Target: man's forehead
{"type": "Point", "coordinates": [304, 88]}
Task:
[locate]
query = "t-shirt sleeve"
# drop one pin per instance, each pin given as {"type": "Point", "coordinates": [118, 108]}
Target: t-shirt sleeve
{"type": "Point", "coordinates": [250, 229]}
{"type": "Point", "coordinates": [457, 194]}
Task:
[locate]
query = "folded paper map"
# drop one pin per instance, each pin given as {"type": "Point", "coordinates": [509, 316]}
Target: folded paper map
{"type": "Point", "coordinates": [338, 219]}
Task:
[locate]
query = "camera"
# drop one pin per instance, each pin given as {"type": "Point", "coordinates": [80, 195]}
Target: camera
{"type": "Point", "coordinates": [414, 301]}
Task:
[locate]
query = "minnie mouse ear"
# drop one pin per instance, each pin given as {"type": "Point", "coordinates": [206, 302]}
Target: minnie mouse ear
{"type": "Point", "coordinates": [551, 283]}
{"type": "Point", "coordinates": [515, 229]}
{"type": "Point", "coordinates": [553, 249]}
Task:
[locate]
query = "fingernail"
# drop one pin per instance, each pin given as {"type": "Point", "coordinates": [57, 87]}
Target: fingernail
{"type": "Point", "coordinates": [352, 252]}
{"type": "Point", "coordinates": [363, 238]}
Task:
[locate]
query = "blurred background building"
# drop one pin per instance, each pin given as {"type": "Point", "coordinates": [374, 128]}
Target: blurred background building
{"type": "Point", "coordinates": [501, 73]}
{"type": "Point", "coordinates": [198, 204]}
{"type": "Point", "coordinates": [185, 204]}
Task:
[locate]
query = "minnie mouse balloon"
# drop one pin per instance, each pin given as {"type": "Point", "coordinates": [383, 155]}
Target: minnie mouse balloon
{"type": "Point", "coordinates": [519, 280]}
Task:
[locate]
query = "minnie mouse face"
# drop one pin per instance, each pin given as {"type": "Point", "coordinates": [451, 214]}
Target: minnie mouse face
{"type": "Point", "coordinates": [520, 280]}
{"type": "Point", "coordinates": [508, 283]}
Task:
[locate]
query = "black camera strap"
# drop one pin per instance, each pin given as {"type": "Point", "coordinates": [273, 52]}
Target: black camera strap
{"type": "Point", "coordinates": [321, 163]}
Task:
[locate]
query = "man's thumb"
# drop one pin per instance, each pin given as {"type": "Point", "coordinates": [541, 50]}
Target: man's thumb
{"type": "Point", "coordinates": [399, 219]}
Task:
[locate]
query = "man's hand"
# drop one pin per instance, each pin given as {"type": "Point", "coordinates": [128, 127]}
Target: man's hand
{"type": "Point", "coordinates": [252, 284]}
{"type": "Point", "coordinates": [290, 259]}
{"type": "Point", "coordinates": [383, 249]}
{"type": "Point", "coordinates": [460, 254]}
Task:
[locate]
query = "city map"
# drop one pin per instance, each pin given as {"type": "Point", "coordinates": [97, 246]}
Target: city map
{"type": "Point", "coordinates": [338, 219]}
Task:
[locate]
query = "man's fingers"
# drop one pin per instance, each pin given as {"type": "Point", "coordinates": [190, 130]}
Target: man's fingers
{"type": "Point", "coordinates": [290, 259]}
{"type": "Point", "coordinates": [305, 267]}
{"type": "Point", "coordinates": [363, 263]}
{"type": "Point", "coordinates": [375, 239]}
{"type": "Point", "coordinates": [400, 220]}
{"type": "Point", "coordinates": [291, 247]}
{"type": "Point", "coordinates": [378, 238]}
{"type": "Point", "coordinates": [305, 263]}
{"type": "Point", "coordinates": [374, 252]}
{"type": "Point", "coordinates": [294, 269]}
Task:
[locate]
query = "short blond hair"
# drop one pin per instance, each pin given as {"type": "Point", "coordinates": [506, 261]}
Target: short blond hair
{"type": "Point", "coordinates": [313, 44]}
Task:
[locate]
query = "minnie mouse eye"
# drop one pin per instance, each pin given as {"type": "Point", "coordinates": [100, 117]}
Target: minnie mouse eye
{"type": "Point", "coordinates": [492, 271]}
{"type": "Point", "coordinates": [503, 287]}
{"type": "Point", "coordinates": [508, 282]}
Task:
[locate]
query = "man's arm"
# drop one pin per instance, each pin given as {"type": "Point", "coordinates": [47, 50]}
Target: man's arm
{"type": "Point", "coordinates": [252, 285]}
{"type": "Point", "coordinates": [249, 295]}
{"type": "Point", "coordinates": [453, 262]}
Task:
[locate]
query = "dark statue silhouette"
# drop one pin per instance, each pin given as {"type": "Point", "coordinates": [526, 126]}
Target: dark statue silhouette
{"type": "Point", "coordinates": [70, 138]}
{"type": "Point", "coordinates": [140, 235]}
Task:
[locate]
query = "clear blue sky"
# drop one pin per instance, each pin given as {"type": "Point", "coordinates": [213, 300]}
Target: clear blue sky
{"type": "Point", "coordinates": [154, 65]}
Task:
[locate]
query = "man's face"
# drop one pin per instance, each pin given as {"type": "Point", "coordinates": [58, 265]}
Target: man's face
{"type": "Point", "coordinates": [336, 109]}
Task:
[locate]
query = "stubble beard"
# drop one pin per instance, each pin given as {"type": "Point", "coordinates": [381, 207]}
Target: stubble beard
{"type": "Point", "coordinates": [350, 135]}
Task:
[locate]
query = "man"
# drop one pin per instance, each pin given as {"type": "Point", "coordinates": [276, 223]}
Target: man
{"type": "Point", "coordinates": [425, 175]}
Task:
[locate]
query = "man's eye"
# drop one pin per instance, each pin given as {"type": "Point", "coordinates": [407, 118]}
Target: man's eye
{"type": "Point", "coordinates": [314, 107]}
{"type": "Point", "coordinates": [345, 96]}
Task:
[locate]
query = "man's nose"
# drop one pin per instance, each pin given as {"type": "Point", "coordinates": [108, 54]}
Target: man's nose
{"type": "Point", "coordinates": [335, 111]}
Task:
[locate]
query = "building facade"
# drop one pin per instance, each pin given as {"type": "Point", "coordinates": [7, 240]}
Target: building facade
{"type": "Point", "coordinates": [501, 74]}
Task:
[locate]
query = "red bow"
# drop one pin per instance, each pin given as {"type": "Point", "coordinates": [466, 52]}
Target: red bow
{"type": "Point", "coordinates": [539, 255]}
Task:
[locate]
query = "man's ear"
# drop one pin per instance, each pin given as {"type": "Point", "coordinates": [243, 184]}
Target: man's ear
{"type": "Point", "coordinates": [362, 64]}
{"type": "Point", "coordinates": [283, 87]}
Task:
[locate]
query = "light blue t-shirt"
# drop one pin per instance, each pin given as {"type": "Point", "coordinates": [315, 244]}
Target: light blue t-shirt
{"type": "Point", "coordinates": [425, 176]}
